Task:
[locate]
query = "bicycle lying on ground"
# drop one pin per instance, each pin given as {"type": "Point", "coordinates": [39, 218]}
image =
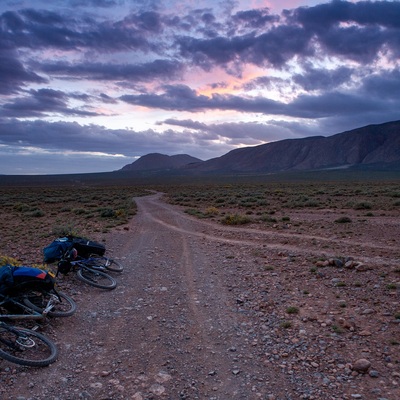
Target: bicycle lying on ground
{"type": "Point", "coordinates": [26, 346]}
{"type": "Point", "coordinates": [85, 257]}
{"type": "Point", "coordinates": [30, 294]}
{"type": "Point", "coordinates": [90, 270]}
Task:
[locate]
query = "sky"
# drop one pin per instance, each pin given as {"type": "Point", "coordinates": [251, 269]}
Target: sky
{"type": "Point", "coordinates": [93, 85]}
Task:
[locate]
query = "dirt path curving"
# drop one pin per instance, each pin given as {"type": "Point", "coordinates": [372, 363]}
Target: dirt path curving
{"type": "Point", "coordinates": [197, 315]}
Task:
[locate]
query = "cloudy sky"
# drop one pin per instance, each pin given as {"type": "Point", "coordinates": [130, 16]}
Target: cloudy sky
{"type": "Point", "coordinates": [92, 85]}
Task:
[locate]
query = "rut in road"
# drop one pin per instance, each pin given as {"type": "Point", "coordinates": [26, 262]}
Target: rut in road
{"type": "Point", "coordinates": [185, 320]}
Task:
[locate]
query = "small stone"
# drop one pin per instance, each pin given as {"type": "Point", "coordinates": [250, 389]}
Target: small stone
{"type": "Point", "coordinates": [373, 374]}
{"type": "Point", "coordinates": [157, 389]}
{"type": "Point", "coordinates": [365, 333]}
{"type": "Point", "coordinates": [368, 311]}
{"type": "Point", "coordinates": [361, 365]}
{"type": "Point", "coordinates": [236, 371]}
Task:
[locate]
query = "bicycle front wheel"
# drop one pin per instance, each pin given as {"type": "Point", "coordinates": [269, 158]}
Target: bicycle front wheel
{"type": "Point", "coordinates": [108, 263]}
{"type": "Point", "coordinates": [61, 308]}
{"type": "Point", "coordinates": [26, 347]}
{"type": "Point", "coordinates": [97, 279]}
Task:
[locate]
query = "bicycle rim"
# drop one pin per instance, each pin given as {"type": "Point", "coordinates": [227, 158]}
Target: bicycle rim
{"type": "Point", "coordinates": [108, 263]}
{"type": "Point", "coordinates": [114, 266]}
{"type": "Point", "coordinates": [26, 347]}
{"type": "Point", "coordinates": [97, 279]}
{"type": "Point", "coordinates": [39, 301]}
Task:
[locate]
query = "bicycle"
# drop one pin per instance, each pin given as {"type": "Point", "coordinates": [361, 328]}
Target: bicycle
{"type": "Point", "coordinates": [102, 263]}
{"type": "Point", "coordinates": [28, 297]}
{"type": "Point", "coordinates": [26, 346]}
{"type": "Point", "coordinates": [88, 270]}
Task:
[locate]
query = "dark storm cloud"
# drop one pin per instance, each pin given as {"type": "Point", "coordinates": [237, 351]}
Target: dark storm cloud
{"type": "Point", "coordinates": [41, 102]}
{"type": "Point", "coordinates": [188, 123]}
{"type": "Point", "coordinates": [156, 69]}
{"type": "Point", "coordinates": [254, 19]}
{"type": "Point", "coordinates": [323, 79]}
{"type": "Point", "coordinates": [239, 133]}
{"type": "Point", "coordinates": [70, 136]}
{"type": "Point", "coordinates": [40, 29]}
{"type": "Point", "coordinates": [385, 85]}
{"type": "Point", "coordinates": [372, 26]}
{"type": "Point", "coordinates": [275, 47]}
{"type": "Point", "coordinates": [74, 137]}
{"type": "Point", "coordinates": [334, 103]}
{"type": "Point", "coordinates": [301, 33]}
{"type": "Point", "coordinates": [323, 16]}
{"type": "Point", "coordinates": [183, 98]}
{"type": "Point", "coordinates": [13, 74]}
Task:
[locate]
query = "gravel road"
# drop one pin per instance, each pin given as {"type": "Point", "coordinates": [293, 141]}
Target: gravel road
{"type": "Point", "coordinates": [198, 315]}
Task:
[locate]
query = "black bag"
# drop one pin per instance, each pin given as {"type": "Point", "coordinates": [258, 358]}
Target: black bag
{"type": "Point", "coordinates": [86, 247]}
{"type": "Point", "coordinates": [63, 267]}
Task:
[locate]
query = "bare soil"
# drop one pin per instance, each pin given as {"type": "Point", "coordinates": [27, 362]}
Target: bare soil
{"type": "Point", "coordinates": [207, 311]}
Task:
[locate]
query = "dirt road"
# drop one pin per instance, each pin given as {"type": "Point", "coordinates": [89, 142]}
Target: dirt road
{"type": "Point", "coordinates": [193, 318]}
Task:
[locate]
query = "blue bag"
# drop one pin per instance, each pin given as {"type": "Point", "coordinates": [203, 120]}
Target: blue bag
{"type": "Point", "coordinates": [56, 249]}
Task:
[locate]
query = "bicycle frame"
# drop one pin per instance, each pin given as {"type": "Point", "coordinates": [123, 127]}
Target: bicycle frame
{"type": "Point", "coordinates": [26, 312]}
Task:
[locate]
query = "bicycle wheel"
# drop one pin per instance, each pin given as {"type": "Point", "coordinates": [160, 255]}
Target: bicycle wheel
{"type": "Point", "coordinates": [97, 279]}
{"type": "Point", "coordinates": [26, 347]}
{"type": "Point", "coordinates": [108, 263]}
{"type": "Point", "coordinates": [39, 301]}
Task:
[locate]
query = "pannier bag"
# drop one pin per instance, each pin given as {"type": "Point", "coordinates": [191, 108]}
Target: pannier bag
{"type": "Point", "coordinates": [56, 249]}
{"type": "Point", "coordinates": [25, 278]}
{"type": "Point", "coordinates": [86, 247]}
{"type": "Point", "coordinates": [6, 277]}
{"type": "Point", "coordinates": [59, 247]}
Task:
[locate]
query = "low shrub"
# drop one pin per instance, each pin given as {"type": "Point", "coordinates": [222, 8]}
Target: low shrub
{"type": "Point", "coordinates": [235, 219]}
{"type": "Point", "coordinates": [343, 220]}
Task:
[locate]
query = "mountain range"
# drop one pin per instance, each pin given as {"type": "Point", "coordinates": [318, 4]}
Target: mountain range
{"type": "Point", "coordinates": [362, 147]}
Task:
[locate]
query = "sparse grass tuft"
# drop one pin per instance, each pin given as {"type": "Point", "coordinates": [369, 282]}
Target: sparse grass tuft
{"type": "Point", "coordinates": [292, 310]}
{"type": "Point", "coordinates": [286, 324]}
{"type": "Point", "coordinates": [337, 329]}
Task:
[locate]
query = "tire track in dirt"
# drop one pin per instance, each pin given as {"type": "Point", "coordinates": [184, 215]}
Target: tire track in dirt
{"type": "Point", "coordinates": [291, 242]}
{"type": "Point", "coordinates": [205, 310]}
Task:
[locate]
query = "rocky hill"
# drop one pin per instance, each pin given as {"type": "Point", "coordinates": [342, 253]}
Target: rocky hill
{"type": "Point", "coordinates": [370, 145]}
{"type": "Point", "coordinates": [157, 161]}
{"type": "Point", "coordinates": [367, 147]}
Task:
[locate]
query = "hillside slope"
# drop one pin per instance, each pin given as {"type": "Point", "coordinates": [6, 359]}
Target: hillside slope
{"type": "Point", "coordinates": [157, 161]}
{"type": "Point", "coordinates": [373, 144]}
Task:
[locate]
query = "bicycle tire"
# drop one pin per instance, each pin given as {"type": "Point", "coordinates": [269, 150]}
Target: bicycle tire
{"type": "Point", "coordinates": [97, 279]}
{"type": "Point", "coordinates": [38, 302]}
{"type": "Point", "coordinates": [41, 351]}
{"type": "Point", "coordinates": [108, 263]}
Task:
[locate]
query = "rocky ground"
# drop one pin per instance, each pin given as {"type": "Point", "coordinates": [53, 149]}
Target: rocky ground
{"type": "Point", "coordinates": [207, 311]}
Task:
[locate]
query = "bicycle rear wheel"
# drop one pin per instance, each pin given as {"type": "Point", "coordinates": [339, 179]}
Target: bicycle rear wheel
{"type": "Point", "coordinates": [39, 301]}
{"type": "Point", "coordinates": [97, 279]}
{"type": "Point", "coordinates": [108, 263]}
{"type": "Point", "coordinates": [26, 347]}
